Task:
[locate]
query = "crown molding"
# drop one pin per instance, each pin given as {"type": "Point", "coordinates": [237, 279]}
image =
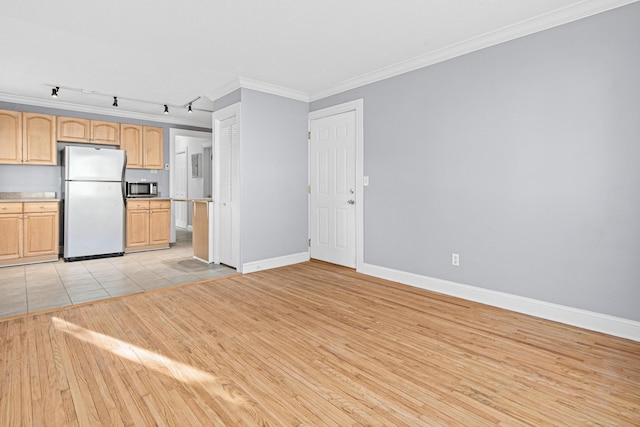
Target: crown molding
{"type": "Point", "coordinates": [224, 90]}
{"type": "Point", "coordinates": [539, 23]}
{"type": "Point", "coordinates": [62, 105]}
{"type": "Point", "coordinates": [273, 89]}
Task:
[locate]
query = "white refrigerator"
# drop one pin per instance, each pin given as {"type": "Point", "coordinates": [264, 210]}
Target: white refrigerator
{"type": "Point", "coordinates": [94, 202]}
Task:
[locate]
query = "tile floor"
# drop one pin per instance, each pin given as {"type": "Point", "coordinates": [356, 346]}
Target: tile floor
{"type": "Point", "coordinates": [35, 287]}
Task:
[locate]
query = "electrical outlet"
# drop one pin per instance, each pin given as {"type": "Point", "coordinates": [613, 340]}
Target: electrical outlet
{"type": "Point", "coordinates": [455, 259]}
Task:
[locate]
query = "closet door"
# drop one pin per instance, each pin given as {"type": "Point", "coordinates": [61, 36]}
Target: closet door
{"type": "Point", "coordinates": [229, 191]}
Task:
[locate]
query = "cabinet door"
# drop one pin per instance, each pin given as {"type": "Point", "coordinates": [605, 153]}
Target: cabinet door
{"type": "Point", "coordinates": [153, 139]}
{"type": "Point", "coordinates": [73, 130]}
{"type": "Point", "coordinates": [10, 137]}
{"type": "Point", "coordinates": [160, 226]}
{"type": "Point", "coordinates": [137, 228]}
{"type": "Point", "coordinates": [10, 236]}
{"type": "Point", "coordinates": [131, 142]}
{"type": "Point", "coordinates": [39, 139]}
{"type": "Point", "coordinates": [105, 132]}
{"type": "Point", "coordinates": [40, 233]}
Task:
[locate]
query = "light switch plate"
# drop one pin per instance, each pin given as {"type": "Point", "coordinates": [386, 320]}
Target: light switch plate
{"type": "Point", "coordinates": [365, 181]}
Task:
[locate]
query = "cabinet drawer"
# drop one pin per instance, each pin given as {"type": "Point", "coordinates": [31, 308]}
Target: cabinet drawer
{"type": "Point", "coordinates": [40, 207]}
{"type": "Point", "coordinates": [160, 204]}
{"type": "Point", "coordinates": [6, 208]}
{"type": "Point", "coordinates": [137, 205]}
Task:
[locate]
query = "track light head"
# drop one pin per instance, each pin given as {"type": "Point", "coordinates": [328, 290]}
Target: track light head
{"type": "Point", "coordinates": [166, 109]}
{"type": "Point", "coordinates": [115, 101]}
{"type": "Point", "coordinates": [189, 110]}
{"type": "Point", "coordinates": [54, 91]}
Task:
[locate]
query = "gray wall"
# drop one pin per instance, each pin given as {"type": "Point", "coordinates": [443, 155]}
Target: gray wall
{"type": "Point", "coordinates": [27, 178]}
{"type": "Point", "coordinates": [273, 167]}
{"type": "Point", "coordinates": [524, 158]}
{"type": "Point", "coordinates": [227, 100]}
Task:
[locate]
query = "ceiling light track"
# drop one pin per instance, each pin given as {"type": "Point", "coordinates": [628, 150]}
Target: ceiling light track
{"type": "Point", "coordinates": [188, 105]}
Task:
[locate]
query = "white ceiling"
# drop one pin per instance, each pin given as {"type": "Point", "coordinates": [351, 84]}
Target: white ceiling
{"type": "Point", "coordinates": [171, 52]}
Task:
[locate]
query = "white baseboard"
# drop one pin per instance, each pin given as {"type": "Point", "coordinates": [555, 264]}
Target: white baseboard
{"type": "Point", "coordinates": [281, 261]}
{"type": "Point", "coordinates": [604, 323]}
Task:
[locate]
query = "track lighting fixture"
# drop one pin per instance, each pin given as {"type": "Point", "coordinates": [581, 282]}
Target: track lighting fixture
{"type": "Point", "coordinates": [188, 105]}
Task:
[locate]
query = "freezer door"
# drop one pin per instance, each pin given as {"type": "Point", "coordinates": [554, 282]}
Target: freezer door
{"type": "Point", "coordinates": [93, 164]}
{"type": "Point", "coordinates": [94, 218]}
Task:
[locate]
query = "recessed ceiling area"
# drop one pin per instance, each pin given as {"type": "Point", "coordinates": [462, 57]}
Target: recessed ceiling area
{"type": "Point", "coordinates": [168, 52]}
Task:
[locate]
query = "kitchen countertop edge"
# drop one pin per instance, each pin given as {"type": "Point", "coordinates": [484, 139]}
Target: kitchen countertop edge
{"type": "Point", "coordinates": [26, 199]}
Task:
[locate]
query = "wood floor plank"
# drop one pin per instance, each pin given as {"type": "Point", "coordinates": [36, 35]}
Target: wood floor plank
{"type": "Point", "coordinates": [309, 344]}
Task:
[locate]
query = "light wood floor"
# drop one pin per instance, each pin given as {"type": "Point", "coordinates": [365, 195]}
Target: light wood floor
{"type": "Point", "coordinates": [310, 344]}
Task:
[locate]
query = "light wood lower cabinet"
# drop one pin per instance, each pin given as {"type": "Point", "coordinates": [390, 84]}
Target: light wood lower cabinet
{"type": "Point", "coordinates": [201, 230]}
{"type": "Point", "coordinates": [148, 224]}
{"type": "Point", "coordinates": [28, 232]}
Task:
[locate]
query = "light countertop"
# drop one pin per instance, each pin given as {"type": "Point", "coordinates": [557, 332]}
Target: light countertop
{"type": "Point", "coordinates": [200, 199]}
{"type": "Point", "coordinates": [149, 198]}
{"type": "Point", "coordinates": [40, 196]}
{"type": "Point", "coordinates": [27, 199]}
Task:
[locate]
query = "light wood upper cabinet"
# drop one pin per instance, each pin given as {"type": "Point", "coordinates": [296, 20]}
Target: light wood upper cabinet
{"type": "Point", "coordinates": [10, 137]}
{"type": "Point", "coordinates": [105, 132]}
{"type": "Point", "coordinates": [153, 143]}
{"type": "Point", "coordinates": [131, 142]}
{"type": "Point", "coordinates": [39, 139]}
{"type": "Point", "coordinates": [27, 138]}
{"type": "Point", "coordinates": [71, 129]}
{"type": "Point", "coordinates": [30, 138]}
{"type": "Point", "coordinates": [144, 146]}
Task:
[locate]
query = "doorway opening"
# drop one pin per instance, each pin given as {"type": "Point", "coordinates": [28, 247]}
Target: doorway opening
{"type": "Point", "coordinates": [190, 178]}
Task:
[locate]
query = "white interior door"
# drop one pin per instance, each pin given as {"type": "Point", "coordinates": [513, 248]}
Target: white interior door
{"type": "Point", "coordinates": [332, 170]}
{"type": "Point", "coordinates": [181, 189]}
{"type": "Point", "coordinates": [227, 166]}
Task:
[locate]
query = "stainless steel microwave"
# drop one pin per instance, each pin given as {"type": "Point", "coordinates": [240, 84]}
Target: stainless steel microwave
{"type": "Point", "coordinates": [142, 189]}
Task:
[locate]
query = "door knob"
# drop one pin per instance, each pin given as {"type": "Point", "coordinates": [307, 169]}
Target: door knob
{"type": "Point", "coordinates": [351, 202]}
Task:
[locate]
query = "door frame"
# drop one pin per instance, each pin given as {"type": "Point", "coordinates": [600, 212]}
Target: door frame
{"type": "Point", "coordinates": [358, 107]}
{"type": "Point", "coordinates": [178, 206]}
{"type": "Point", "coordinates": [173, 132]}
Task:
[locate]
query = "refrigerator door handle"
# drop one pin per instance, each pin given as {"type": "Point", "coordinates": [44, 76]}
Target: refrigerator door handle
{"type": "Point", "coordinates": [124, 184]}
